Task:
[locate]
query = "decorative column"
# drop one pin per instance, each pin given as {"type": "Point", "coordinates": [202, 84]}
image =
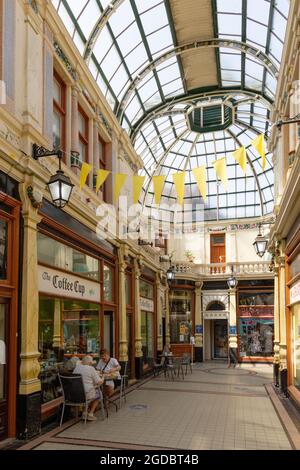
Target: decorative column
{"type": "Point", "coordinates": [282, 324]}
{"type": "Point", "coordinates": [29, 398]}
{"type": "Point", "coordinates": [96, 162]}
{"type": "Point", "coordinates": [123, 349]}
{"type": "Point", "coordinates": [233, 345]}
{"type": "Point", "coordinates": [59, 352]}
{"type": "Point", "coordinates": [198, 323]}
{"type": "Point", "coordinates": [159, 294]}
{"type": "Point", "coordinates": [137, 320]}
{"type": "Point", "coordinates": [276, 359]}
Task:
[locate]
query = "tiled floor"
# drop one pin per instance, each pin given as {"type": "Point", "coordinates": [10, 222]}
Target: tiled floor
{"type": "Point", "coordinates": [212, 408]}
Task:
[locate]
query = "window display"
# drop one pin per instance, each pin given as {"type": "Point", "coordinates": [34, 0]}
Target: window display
{"type": "Point", "coordinates": [108, 283]}
{"type": "Point", "coordinates": [181, 316]}
{"type": "Point", "coordinates": [296, 345]}
{"type": "Point", "coordinates": [256, 337]}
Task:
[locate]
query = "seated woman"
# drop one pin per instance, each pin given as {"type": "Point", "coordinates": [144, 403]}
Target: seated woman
{"type": "Point", "coordinates": [91, 381]}
{"type": "Point", "coordinates": [110, 367]}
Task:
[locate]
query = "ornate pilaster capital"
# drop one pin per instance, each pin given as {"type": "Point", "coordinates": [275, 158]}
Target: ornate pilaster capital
{"type": "Point", "coordinates": [198, 285]}
{"type": "Point", "coordinates": [29, 372]}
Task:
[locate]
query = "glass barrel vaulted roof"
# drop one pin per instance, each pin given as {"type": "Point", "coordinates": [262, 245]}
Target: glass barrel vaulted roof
{"type": "Point", "coordinates": [143, 55]}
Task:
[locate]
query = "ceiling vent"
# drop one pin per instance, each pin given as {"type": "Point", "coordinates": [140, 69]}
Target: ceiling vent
{"type": "Point", "coordinates": [211, 117]}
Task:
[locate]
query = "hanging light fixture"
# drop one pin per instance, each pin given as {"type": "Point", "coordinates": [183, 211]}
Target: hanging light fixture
{"type": "Point", "coordinates": [170, 274]}
{"type": "Point", "coordinates": [232, 281]}
{"type": "Point", "coordinates": [60, 185]}
{"type": "Point", "coordinates": [260, 243]}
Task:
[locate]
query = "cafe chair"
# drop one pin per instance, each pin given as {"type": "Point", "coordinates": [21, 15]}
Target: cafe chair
{"type": "Point", "coordinates": [74, 395]}
{"type": "Point", "coordinates": [158, 367]}
{"type": "Point", "coordinates": [186, 361]}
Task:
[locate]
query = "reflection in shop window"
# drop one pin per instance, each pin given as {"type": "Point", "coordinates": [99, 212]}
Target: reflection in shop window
{"type": "Point", "coordinates": [147, 330]}
{"type": "Point", "coordinates": [59, 255]}
{"type": "Point", "coordinates": [181, 316]}
{"type": "Point", "coordinates": [3, 248]}
{"type": "Point", "coordinates": [256, 337]}
{"type": "Point", "coordinates": [71, 326]}
{"type": "Point", "coordinates": [108, 283]}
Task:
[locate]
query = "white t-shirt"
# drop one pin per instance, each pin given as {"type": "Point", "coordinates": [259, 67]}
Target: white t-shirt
{"type": "Point", "coordinates": [90, 379]}
{"type": "Point", "coordinates": [112, 363]}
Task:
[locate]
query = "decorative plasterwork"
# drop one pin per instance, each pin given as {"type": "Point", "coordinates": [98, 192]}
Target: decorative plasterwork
{"type": "Point", "coordinates": [34, 6]}
{"type": "Point", "coordinates": [130, 163]}
{"type": "Point", "coordinates": [65, 60]}
{"type": "Point", "coordinates": [105, 123]}
{"type": "Point", "coordinates": [209, 297]}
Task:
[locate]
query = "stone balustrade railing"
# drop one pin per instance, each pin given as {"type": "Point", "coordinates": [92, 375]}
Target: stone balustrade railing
{"type": "Point", "coordinates": [223, 269]}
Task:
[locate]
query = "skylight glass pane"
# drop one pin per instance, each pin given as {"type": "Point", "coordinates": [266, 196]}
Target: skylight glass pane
{"type": "Point", "coordinates": [111, 62]}
{"type": "Point", "coordinates": [234, 6]}
{"type": "Point", "coordinates": [136, 59]}
{"type": "Point", "coordinates": [154, 19]}
{"type": "Point", "coordinates": [230, 24]}
{"type": "Point", "coordinates": [259, 11]}
{"type": "Point", "coordinates": [103, 44]}
{"type": "Point", "coordinates": [91, 11]}
{"type": "Point", "coordinates": [160, 40]}
{"type": "Point", "coordinates": [257, 33]}
{"type": "Point", "coordinates": [123, 17]}
{"type": "Point", "coordinates": [129, 39]}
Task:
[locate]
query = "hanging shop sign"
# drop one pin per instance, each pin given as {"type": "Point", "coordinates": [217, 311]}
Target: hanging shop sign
{"type": "Point", "coordinates": [146, 304]}
{"type": "Point", "coordinates": [61, 284]}
{"type": "Point", "coordinates": [295, 293]}
{"type": "Point", "coordinates": [220, 314]}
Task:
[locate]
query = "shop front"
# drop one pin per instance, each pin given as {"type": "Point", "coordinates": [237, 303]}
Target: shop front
{"type": "Point", "coordinates": [9, 269]}
{"type": "Point", "coordinates": [77, 306]}
{"type": "Point", "coordinates": [130, 319]}
{"type": "Point", "coordinates": [255, 324]}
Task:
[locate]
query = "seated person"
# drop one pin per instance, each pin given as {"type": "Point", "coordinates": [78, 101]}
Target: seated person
{"type": "Point", "coordinates": [166, 350]}
{"type": "Point", "coordinates": [90, 381]}
{"type": "Point", "coordinates": [69, 366]}
{"type": "Point", "coordinates": [108, 366]}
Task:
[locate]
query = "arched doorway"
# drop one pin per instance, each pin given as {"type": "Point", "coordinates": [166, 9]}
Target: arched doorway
{"type": "Point", "coordinates": [216, 330]}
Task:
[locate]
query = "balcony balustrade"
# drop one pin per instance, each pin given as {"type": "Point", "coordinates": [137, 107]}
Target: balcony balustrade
{"type": "Point", "coordinates": [223, 270]}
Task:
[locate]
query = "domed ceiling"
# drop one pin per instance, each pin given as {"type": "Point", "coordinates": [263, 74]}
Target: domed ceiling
{"type": "Point", "coordinates": [190, 82]}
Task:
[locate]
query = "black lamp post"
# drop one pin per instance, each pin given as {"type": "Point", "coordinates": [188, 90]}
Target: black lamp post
{"type": "Point", "coordinates": [260, 243]}
{"type": "Point", "coordinates": [60, 185]}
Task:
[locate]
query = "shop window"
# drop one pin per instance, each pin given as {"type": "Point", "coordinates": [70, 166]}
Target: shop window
{"type": "Point", "coordinates": [252, 299]}
{"type": "Point", "coordinates": [147, 334]}
{"type": "Point", "coordinates": [108, 283]}
{"type": "Point", "coordinates": [81, 331]}
{"type": "Point", "coordinates": [59, 112]}
{"type": "Point", "coordinates": [83, 127]}
{"type": "Point", "coordinates": [256, 337]}
{"type": "Point", "coordinates": [54, 253]}
{"type": "Point", "coordinates": [181, 316]}
{"type": "Point", "coordinates": [294, 267]}
{"type": "Point", "coordinates": [71, 326]}
{"type": "Point", "coordinates": [146, 289]}
{"type": "Point", "coordinates": [3, 248]}
{"type": "Point", "coordinates": [109, 332]}
{"type": "Point", "coordinates": [296, 344]}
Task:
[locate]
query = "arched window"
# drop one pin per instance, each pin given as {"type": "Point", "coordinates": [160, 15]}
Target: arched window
{"type": "Point", "coordinates": [215, 305]}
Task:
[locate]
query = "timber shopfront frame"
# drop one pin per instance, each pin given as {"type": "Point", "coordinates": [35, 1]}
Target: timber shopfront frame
{"type": "Point", "coordinates": [78, 287]}
{"type": "Point", "coordinates": [183, 347]}
{"type": "Point", "coordinates": [148, 308]}
{"type": "Point", "coordinates": [9, 299]}
{"type": "Point", "coordinates": [293, 311]}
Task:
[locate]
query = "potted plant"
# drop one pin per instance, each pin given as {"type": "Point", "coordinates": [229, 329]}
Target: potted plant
{"type": "Point", "coordinates": [189, 255]}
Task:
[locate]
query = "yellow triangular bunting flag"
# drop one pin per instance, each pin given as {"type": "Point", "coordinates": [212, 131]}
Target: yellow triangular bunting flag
{"type": "Point", "coordinates": [200, 177]}
{"type": "Point", "coordinates": [120, 179]}
{"type": "Point", "coordinates": [85, 170]}
{"type": "Point", "coordinates": [158, 186]}
{"type": "Point", "coordinates": [221, 170]}
{"type": "Point", "coordinates": [179, 180]}
{"type": "Point", "coordinates": [240, 156]}
{"type": "Point", "coordinates": [101, 178]}
{"type": "Point", "coordinates": [137, 182]}
{"type": "Point", "coordinates": [258, 144]}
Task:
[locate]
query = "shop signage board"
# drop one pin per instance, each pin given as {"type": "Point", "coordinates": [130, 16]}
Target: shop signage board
{"type": "Point", "coordinates": [146, 304]}
{"type": "Point", "coordinates": [63, 284]}
{"type": "Point", "coordinates": [220, 314]}
{"type": "Point", "coordinates": [295, 293]}
{"type": "Point", "coordinates": [199, 329]}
